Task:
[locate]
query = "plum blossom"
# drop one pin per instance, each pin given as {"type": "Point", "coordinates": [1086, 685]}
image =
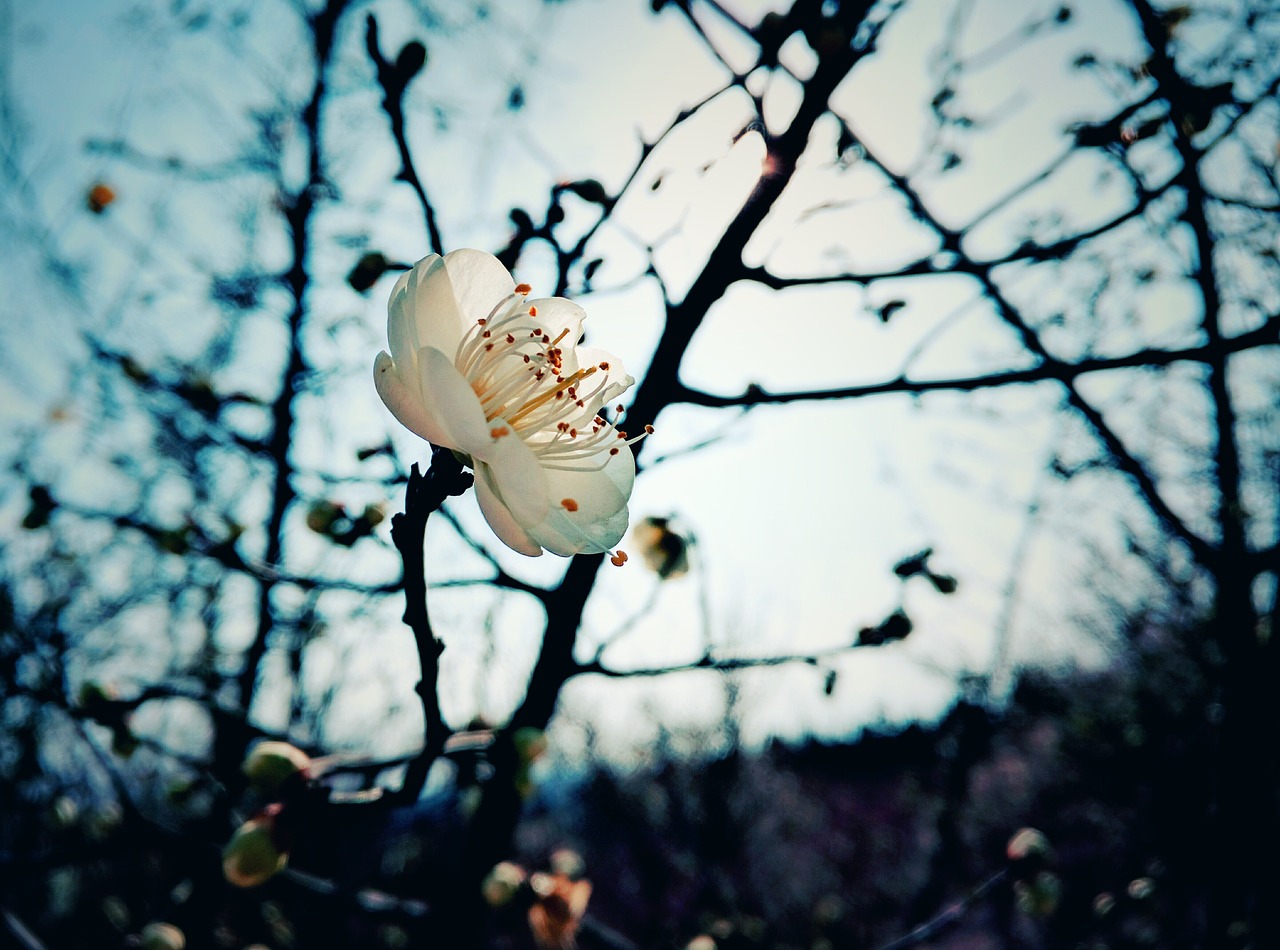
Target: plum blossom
{"type": "Point", "coordinates": [478, 367]}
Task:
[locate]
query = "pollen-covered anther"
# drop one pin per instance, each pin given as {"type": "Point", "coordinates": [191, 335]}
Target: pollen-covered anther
{"type": "Point", "coordinates": [619, 558]}
{"type": "Point", "coordinates": [648, 430]}
{"type": "Point", "coordinates": [533, 311]}
{"type": "Point", "coordinates": [499, 432]}
{"type": "Point", "coordinates": [523, 289]}
{"type": "Point", "coordinates": [604, 366]}
{"type": "Point", "coordinates": [568, 504]}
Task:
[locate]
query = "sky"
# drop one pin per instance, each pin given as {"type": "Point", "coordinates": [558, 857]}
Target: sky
{"type": "Point", "coordinates": [799, 511]}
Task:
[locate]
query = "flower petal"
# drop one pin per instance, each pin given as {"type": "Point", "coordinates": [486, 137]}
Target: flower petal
{"type": "Point", "coordinates": [555, 315]}
{"type": "Point", "coordinates": [499, 516]}
{"type": "Point", "coordinates": [599, 502]}
{"type": "Point", "coordinates": [450, 401]}
{"type": "Point", "coordinates": [402, 327]}
{"type": "Point", "coordinates": [479, 283]}
{"type": "Point", "coordinates": [431, 303]}
{"type": "Point", "coordinates": [405, 402]}
{"type": "Point", "coordinates": [606, 384]}
{"type": "Point", "coordinates": [518, 477]}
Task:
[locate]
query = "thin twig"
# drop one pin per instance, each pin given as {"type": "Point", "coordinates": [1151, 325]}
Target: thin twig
{"type": "Point", "coordinates": [394, 80]}
{"type": "Point", "coordinates": [951, 916]}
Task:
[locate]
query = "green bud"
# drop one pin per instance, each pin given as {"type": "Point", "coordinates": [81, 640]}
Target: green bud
{"type": "Point", "coordinates": [270, 764]}
{"type": "Point", "coordinates": [162, 936]}
{"type": "Point", "coordinates": [251, 856]}
{"type": "Point", "coordinates": [502, 883]}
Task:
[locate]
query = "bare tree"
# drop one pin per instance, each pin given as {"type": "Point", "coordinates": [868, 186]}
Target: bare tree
{"type": "Point", "coordinates": [201, 511]}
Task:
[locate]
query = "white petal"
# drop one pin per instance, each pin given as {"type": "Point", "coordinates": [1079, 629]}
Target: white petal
{"type": "Point", "coordinates": [449, 400]}
{"type": "Point", "coordinates": [500, 519]}
{"type": "Point", "coordinates": [402, 329]}
{"type": "Point", "coordinates": [517, 476]}
{"type": "Point", "coordinates": [479, 283]}
{"type": "Point", "coordinates": [405, 402]}
{"type": "Point", "coordinates": [431, 302]}
{"type": "Point", "coordinates": [600, 499]}
{"type": "Point", "coordinates": [611, 382]}
{"type": "Point", "coordinates": [556, 314]}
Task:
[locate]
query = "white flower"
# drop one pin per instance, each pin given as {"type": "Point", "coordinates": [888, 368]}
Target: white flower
{"type": "Point", "coordinates": [479, 368]}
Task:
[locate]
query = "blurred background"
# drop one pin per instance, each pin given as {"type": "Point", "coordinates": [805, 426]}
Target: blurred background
{"type": "Point", "coordinates": [957, 324]}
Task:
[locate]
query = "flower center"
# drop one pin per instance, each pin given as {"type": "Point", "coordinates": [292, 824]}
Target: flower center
{"type": "Point", "coordinates": [518, 372]}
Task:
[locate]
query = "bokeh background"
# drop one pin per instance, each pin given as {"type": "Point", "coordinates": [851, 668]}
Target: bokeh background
{"type": "Point", "coordinates": [957, 324]}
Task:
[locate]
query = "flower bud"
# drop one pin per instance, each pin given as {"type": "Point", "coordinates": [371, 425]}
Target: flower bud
{"type": "Point", "coordinates": [568, 862]}
{"type": "Point", "coordinates": [557, 910]}
{"type": "Point", "coordinates": [252, 856]}
{"type": "Point", "coordinates": [502, 883]}
{"type": "Point", "coordinates": [1039, 896]}
{"type": "Point", "coordinates": [270, 764]}
{"type": "Point", "coordinates": [1027, 845]}
{"type": "Point", "coordinates": [530, 744]}
{"type": "Point", "coordinates": [664, 551]}
{"type": "Point", "coordinates": [1141, 888]}
{"type": "Point", "coordinates": [323, 515]}
{"type": "Point", "coordinates": [161, 936]}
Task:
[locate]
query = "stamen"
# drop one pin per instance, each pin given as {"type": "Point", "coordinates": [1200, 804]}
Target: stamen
{"type": "Point", "coordinates": [499, 432]}
{"type": "Point", "coordinates": [568, 504]}
{"type": "Point", "coordinates": [619, 558]}
{"type": "Point", "coordinates": [523, 288]}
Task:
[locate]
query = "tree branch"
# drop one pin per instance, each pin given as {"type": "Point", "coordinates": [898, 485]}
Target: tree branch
{"type": "Point", "coordinates": [424, 494]}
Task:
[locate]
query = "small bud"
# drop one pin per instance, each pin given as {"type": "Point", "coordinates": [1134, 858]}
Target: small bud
{"type": "Point", "coordinates": [664, 551]}
{"type": "Point", "coordinates": [323, 515]}
{"type": "Point", "coordinates": [1141, 888]}
{"type": "Point", "coordinates": [162, 936]}
{"type": "Point", "coordinates": [502, 883]}
{"type": "Point", "coordinates": [557, 910]}
{"type": "Point", "coordinates": [568, 862]}
{"type": "Point", "coordinates": [1103, 904]}
{"type": "Point", "coordinates": [589, 189]}
{"type": "Point", "coordinates": [367, 270]}
{"type": "Point", "coordinates": [530, 743]}
{"type": "Point", "coordinates": [1027, 844]}
{"type": "Point", "coordinates": [270, 764]}
{"type": "Point", "coordinates": [701, 942]}
{"type": "Point", "coordinates": [252, 857]}
{"type": "Point", "coordinates": [374, 515]}
{"type": "Point", "coordinates": [104, 820]}
{"type": "Point", "coordinates": [411, 60]}
{"type": "Point", "coordinates": [65, 811]}
{"type": "Point", "coordinates": [1039, 896]}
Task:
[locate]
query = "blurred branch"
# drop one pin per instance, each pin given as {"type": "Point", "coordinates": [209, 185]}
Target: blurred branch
{"type": "Point", "coordinates": [949, 917]}
{"type": "Point", "coordinates": [394, 79]}
{"type": "Point", "coordinates": [298, 209]}
{"type": "Point", "coordinates": [21, 932]}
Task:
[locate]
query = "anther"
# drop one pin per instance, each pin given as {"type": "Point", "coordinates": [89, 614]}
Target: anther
{"type": "Point", "coordinates": [499, 432]}
{"type": "Point", "coordinates": [568, 504]}
{"type": "Point", "coordinates": [533, 311]}
{"type": "Point", "coordinates": [523, 288]}
{"type": "Point", "coordinates": [604, 366]}
{"type": "Point", "coordinates": [618, 559]}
